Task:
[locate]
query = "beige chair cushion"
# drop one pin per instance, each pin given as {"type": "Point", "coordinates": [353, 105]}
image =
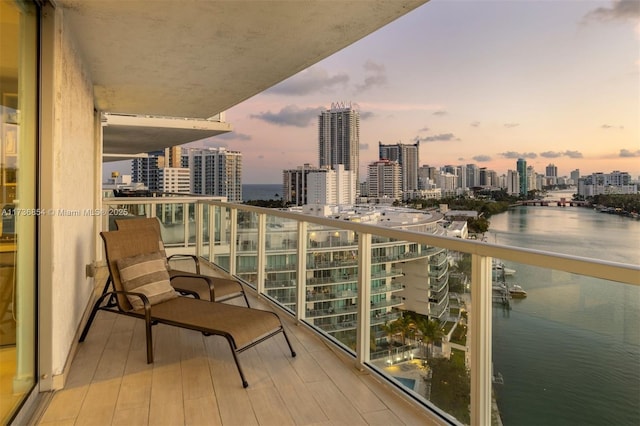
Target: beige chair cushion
{"type": "Point", "coordinates": [146, 274]}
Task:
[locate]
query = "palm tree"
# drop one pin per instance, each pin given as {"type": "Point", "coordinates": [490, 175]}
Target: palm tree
{"type": "Point", "coordinates": [431, 332]}
{"type": "Point", "coordinates": [406, 326]}
{"type": "Point", "coordinates": [390, 330]}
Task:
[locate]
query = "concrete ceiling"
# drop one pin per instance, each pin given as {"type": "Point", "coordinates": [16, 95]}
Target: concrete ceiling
{"type": "Point", "coordinates": [198, 58]}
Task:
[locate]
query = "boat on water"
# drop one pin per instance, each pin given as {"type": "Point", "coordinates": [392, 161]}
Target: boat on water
{"type": "Point", "coordinates": [515, 291]}
{"type": "Point", "coordinates": [500, 269]}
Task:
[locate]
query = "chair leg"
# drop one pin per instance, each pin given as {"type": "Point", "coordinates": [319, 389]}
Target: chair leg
{"type": "Point", "coordinates": [293, 353]}
{"type": "Point", "coordinates": [149, 334]}
{"type": "Point", "coordinates": [235, 358]}
{"type": "Point", "coordinates": [94, 311]}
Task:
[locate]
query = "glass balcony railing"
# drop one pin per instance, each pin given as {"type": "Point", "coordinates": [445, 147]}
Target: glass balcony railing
{"type": "Point", "coordinates": [422, 310]}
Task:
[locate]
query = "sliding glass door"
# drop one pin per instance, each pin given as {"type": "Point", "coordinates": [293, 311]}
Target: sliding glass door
{"type": "Point", "coordinates": [18, 142]}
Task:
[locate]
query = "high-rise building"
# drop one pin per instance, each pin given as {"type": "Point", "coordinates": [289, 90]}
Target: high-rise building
{"type": "Point", "coordinates": [384, 179]}
{"type": "Point", "coordinates": [575, 175]}
{"type": "Point", "coordinates": [473, 176]}
{"type": "Point", "coordinates": [521, 167]}
{"type": "Point", "coordinates": [551, 174]}
{"type": "Point", "coordinates": [313, 185]}
{"type": "Point", "coordinates": [294, 184]}
{"type": "Point", "coordinates": [174, 179]}
{"type": "Point", "coordinates": [147, 170]}
{"type": "Point", "coordinates": [408, 157]}
{"type": "Point", "coordinates": [426, 176]}
{"type": "Point", "coordinates": [339, 137]}
{"type": "Point", "coordinates": [216, 171]}
{"type": "Point", "coordinates": [513, 182]}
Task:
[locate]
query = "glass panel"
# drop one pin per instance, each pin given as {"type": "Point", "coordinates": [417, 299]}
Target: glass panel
{"type": "Point", "coordinates": [578, 338]}
{"type": "Point", "coordinates": [221, 236]}
{"type": "Point", "coordinates": [247, 244]}
{"type": "Point", "coordinates": [172, 217]}
{"type": "Point", "coordinates": [205, 226]}
{"type": "Point", "coordinates": [332, 282]}
{"type": "Point", "coordinates": [282, 261]}
{"type": "Point", "coordinates": [418, 321]}
{"type": "Point", "coordinates": [18, 129]}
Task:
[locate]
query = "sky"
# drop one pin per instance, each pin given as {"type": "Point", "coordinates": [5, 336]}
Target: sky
{"type": "Point", "coordinates": [482, 82]}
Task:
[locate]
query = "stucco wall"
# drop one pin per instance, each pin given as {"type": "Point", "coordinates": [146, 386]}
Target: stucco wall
{"type": "Point", "coordinates": [71, 173]}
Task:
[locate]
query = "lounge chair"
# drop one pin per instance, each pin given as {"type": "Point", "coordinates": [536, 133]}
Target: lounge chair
{"type": "Point", "coordinates": [126, 250]}
{"type": "Point", "coordinates": [219, 290]}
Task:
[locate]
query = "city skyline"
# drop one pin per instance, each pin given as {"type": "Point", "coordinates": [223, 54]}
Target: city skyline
{"type": "Point", "coordinates": [479, 83]}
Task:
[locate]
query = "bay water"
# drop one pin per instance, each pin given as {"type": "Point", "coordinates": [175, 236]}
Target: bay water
{"type": "Point", "coordinates": [569, 353]}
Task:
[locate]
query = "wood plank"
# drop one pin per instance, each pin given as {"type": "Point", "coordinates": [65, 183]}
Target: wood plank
{"type": "Point", "coordinates": [302, 406]}
{"type": "Point", "coordinates": [100, 402]}
{"type": "Point", "coordinates": [334, 403]}
{"type": "Point", "coordinates": [202, 411]}
{"type": "Point", "coordinates": [343, 373]}
{"type": "Point", "coordinates": [269, 407]}
{"type": "Point", "coordinates": [65, 405]}
{"type": "Point", "coordinates": [233, 403]}
{"type": "Point", "coordinates": [138, 416]}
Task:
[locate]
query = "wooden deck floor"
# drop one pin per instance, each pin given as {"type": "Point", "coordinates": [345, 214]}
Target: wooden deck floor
{"type": "Point", "coordinates": [194, 381]}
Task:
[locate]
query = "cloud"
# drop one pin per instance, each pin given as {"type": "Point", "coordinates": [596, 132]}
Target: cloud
{"type": "Point", "coordinates": [424, 129]}
{"type": "Point", "coordinates": [609, 126]}
{"type": "Point", "coordinates": [311, 80]}
{"type": "Point", "coordinates": [482, 158]}
{"type": "Point", "coordinates": [573, 154]}
{"type": "Point", "coordinates": [556, 154]}
{"type": "Point", "coordinates": [260, 156]}
{"type": "Point", "coordinates": [234, 136]}
{"type": "Point", "coordinates": [443, 137]}
{"type": "Point", "coordinates": [627, 153]}
{"type": "Point", "coordinates": [513, 154]}
{"type": "Point", "coordinates": [461, 159]}
{"type": "Point", "coordinates": [364, 146]}
{"type": "Point", "coordinates": [214, 143]}
{"type": "Point", "coordinates": [475, 124]}
{"type": "Point", "coordinates": [619, 10]}
{"type": "Point", "coordinates": [376, 76]}
{"type": "Point", "coordinates": [511, 125]}
{"type": "Point", "coordinates": [440, 112]}
{"type": "Point", "coordinates": [366, 115]}
{"type": "Point", "coordinates": [291, 115]}
{"type": "Point", "coordinates": [550, 154]}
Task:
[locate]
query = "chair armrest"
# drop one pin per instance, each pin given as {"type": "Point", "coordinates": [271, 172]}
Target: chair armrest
{"type": "Point", "coordinates": [207, 280]}
{"type": "Point", "coordinates": [193, 257]}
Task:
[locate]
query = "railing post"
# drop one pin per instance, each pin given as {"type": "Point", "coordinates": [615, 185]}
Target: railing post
{"type": "Point", "coordinates": [261, 252]}
{"type": "Point", "coordinates": [199, 227]}
{"type": "Point", "coordinates": [480, 335]}
{"type": "Point", "coordinates": [185, 219]}
{"type": "Point", "coordinates": [363, 334]}
{"type": "Point", "coordinates": [233, 238]}
{"type": "Point", "coordinates": [301, 272]}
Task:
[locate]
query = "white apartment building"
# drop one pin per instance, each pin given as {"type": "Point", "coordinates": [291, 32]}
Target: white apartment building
{"type": "Point", "coordinates": [313, 185]}
{"type": "Point", "coordinates": [384, 179]}
{"type": "Point", "coordinates": [174, 180]}
{"type": "Point", "coordinates": [513, 182]}
{"type": "Point", "coordinates": [216, 171]}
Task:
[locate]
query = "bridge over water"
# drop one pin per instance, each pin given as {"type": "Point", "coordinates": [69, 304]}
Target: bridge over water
{"type": "Point", "coordinates": [562, 202]}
